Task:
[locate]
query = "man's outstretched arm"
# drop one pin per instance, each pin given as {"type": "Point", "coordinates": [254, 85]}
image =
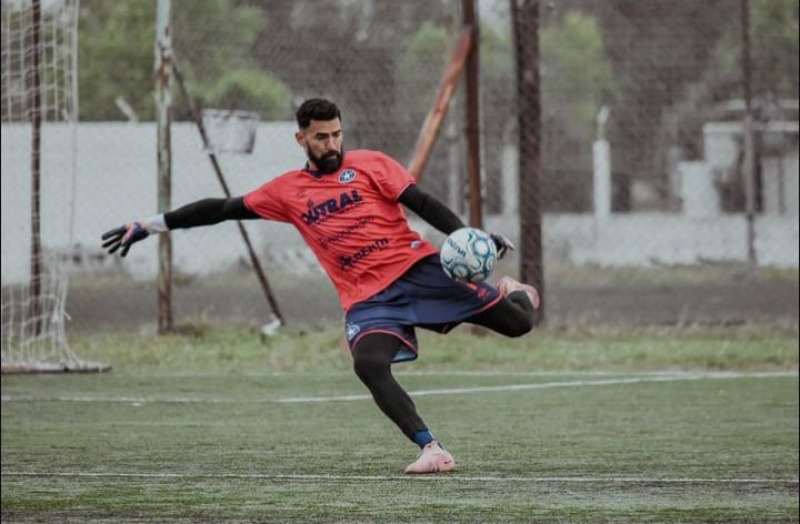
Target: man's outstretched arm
{"type": "Point", "coordinates": [430, 209]}
{"type": "Point", "coordinates": [200, 213]}
{"type": "Point", "coordinates": [434, 212]}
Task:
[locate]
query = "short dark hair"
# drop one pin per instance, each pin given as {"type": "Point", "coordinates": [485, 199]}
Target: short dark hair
{"type": "Point", "coordinates": [316, 109]}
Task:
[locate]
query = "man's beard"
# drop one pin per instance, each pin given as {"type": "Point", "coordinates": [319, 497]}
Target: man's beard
{"type": "Point", "coordinates": [330, 163]}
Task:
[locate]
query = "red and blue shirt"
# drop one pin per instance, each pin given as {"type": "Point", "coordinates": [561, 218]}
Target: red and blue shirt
{"type": "Point", "coordinates": [350, 219]}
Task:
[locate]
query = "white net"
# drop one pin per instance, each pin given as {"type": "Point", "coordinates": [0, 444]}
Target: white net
{"type": "Point", "coordinates": [39, 114]}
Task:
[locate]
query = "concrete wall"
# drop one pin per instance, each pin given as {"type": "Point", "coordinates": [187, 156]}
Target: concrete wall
{"type": "Point", "coordinates": [116, 183]}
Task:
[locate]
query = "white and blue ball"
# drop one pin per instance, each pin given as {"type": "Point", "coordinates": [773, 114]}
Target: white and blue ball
{"type": "Point", "coordinates": [468, 255]}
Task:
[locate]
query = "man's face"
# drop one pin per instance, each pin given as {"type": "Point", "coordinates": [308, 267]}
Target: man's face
{"type": "Point", "coordinates": [322, 141]}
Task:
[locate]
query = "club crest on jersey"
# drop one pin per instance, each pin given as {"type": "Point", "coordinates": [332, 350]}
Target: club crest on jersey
{"type": "Point", "coordinates": [347, 176]}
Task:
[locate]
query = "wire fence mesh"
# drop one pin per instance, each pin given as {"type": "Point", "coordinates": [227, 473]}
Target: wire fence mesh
{"type": "Point", "coordinates": [640, 148]}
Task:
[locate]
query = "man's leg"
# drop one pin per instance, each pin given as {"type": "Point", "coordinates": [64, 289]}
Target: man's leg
{"type": "Point", "coordinates": [372, 359]}
{"type": "Point", "coordinates": [513, 316]}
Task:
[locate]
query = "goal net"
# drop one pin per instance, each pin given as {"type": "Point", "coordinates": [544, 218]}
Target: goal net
{"type": "Point", "coordinates": [39, 116]}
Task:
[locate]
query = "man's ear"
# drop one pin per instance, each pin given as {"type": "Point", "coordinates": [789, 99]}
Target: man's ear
{"type": "Point", "coordinates": [301, 139]}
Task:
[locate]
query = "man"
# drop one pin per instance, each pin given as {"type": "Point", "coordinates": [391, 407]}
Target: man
{"type": "Point", "coordinates": [347, 208]}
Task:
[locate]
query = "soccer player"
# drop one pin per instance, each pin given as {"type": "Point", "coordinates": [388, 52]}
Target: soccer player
{"type": "Point", "coordinates": [347, 207]}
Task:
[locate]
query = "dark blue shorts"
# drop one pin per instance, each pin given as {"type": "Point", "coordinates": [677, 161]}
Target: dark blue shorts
{"type": "Point", "coordinates": [423, 297]}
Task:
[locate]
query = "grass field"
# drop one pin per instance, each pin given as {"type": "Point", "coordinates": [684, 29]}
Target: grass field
{"type": "Point", "coordinates": [592, 425]}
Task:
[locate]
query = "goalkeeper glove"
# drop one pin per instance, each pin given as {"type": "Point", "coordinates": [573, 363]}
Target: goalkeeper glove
{"type": "Point", "coordinates": [502, 243]}
{"type": "Point", "coordinates": [124, 236]}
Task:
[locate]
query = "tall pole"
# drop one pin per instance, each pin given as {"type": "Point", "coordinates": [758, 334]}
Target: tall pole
{"type": "Point", "coordinates": [433, 121]}
{"type": "Point", "coordinates": [526, 35]}
{"type": "Point", "coordinates": [35, 288]}
{"type": "Point", "coordinates": [749, 159]}
{"type": "Point", "coordinates": [212, 156]}
{"type": "Point", "coordinates": [163, 73]}
{"type": "Point", "coordinates": [473, 117]}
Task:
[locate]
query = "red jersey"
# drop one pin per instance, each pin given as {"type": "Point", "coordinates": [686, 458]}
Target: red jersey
{"type": "Point", "coordinates": [350, 219]}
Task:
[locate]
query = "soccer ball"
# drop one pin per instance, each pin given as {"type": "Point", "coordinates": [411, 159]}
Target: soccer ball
{"type": "Point", "coordinates": [468, 255]}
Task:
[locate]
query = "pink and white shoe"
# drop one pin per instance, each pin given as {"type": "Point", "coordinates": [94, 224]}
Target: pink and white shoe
{"type": "Point", "coordinates": [508, 285]}
{"type": "Point", "coordinates": [432, 459]}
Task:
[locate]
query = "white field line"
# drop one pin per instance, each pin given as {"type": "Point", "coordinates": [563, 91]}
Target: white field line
{"type": "Point", "coordinates": [548, 385]}
{"type": "Point", "coordinates": [448, 477]}
{"type": "Point", "coordinates": [446, 391]}
{"type": "Point", "coordinates": [403, 372]}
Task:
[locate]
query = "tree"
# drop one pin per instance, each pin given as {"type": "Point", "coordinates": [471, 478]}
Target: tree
{"type": "Point", "coordinates": [576, 76]}
{"type": "Point", "coordinates": [116, 50]}
{"type": "Point", "coordinates": [656, 48]}
{"type": "Point", "coordinates": [423, 59]}
{"type": "Point", "coordinates": [577, 80]}
{"type": "Point", "coordinates": [775, 48]}
{"type": "Point", "coordinates": [250, 90]}
{"type": "Point", "coordinates": [349, 51]}
{"type": "Point", "coordinates": [774, 44]}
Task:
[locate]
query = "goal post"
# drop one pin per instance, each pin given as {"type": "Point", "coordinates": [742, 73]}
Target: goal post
{"type": "Point", "coordinates": [39, 117]}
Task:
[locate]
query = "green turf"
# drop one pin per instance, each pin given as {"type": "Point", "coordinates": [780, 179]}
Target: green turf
{"type": "Point", "coordinates": [193, 429]}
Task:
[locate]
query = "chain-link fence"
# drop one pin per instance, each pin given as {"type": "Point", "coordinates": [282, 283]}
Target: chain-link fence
{"type": "Point", "coordinates": [639, 148]}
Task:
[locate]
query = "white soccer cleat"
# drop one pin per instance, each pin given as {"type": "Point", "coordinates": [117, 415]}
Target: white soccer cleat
{"type": "Point", "coordinates": [508, 285]}
{"type": "Point", "coordinates": [432, 459]}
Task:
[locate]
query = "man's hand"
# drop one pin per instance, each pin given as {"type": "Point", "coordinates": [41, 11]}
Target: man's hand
{"type": "Point", "coordinates": [124, 236]}
{"type": "Point", "coordinates": [502, 243]}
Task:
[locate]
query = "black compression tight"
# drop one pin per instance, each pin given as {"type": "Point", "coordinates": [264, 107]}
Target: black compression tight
{"type": "Point", "coordinates": [372, 359]}
{"type": "Point", "coordinates": [513, 316]}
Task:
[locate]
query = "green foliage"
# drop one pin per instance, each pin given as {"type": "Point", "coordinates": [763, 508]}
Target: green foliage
{"type": "Point", "coordinates": [425, 57]}
{"type": "Point", "coordinates": [219, 74]}
{"type": "Point", "coordinates": [497, 58]}
{"type": "Point", "coordinates": [774, 56]}
{"type": "Point", "coordinates": [422, 62]}
{"type": "Point", "coordinates": [775, 32]}
{"type": "Point", "coordinates": [115, 46]}
{"type": "Point", "coordinates": [251, 90]}
{"type": "Point", "coordinates": [209, 36]}
{"type": "Point", "coordinates": [116, 49]}
{"type": "Point", "coordinates": [773, 51]}
{"type": "Point", "coordinates": [429, 40]}
{"type": "Point", "coordinates": [576, 74]}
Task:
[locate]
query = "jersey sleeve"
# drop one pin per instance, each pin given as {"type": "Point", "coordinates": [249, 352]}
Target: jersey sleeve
{"type": "Point", "coordinates": [265, 201]}
{"type": "Point", "coordinates": [390, 176]}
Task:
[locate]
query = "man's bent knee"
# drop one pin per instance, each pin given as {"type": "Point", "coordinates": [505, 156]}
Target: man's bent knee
{"type": "Point", "coordinates": [373, 355]}
{"type": "Point", "coordinates": [369, 369]}
{"type": "Point", "coordinates": [521, 327]}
